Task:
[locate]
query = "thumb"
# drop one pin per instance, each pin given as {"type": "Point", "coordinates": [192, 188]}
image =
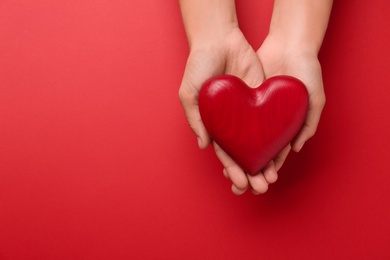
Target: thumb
{"type": "Point", "coordinates": [189, 100]}
{"type": "Point", "coordinates": [310, 126]}
{"type": "Point", "coordinates": [200, 67]}
{"type": "Point", "coordinates": [249, 69]}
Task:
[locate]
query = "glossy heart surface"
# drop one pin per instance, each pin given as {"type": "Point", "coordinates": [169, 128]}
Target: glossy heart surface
{"type": "Point", "coordinates": [253, 125]}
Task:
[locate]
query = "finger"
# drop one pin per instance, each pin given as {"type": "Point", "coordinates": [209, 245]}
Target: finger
{"type": "Point", "coordinates": [235, 173]}
{"type": "Point", "coordinates": [225, 173]}
{"type": "Point", "coordinates": [270, 173]}
{"type": "Point", "coordinates": [258, 183]}
{"type": "Point", "coordinates": [238, 191]}
{"type": "Point", "coordinates": [281, 157]}
{"type": "Point", "coordinates": [310, 126]}
{"type": "Point", "coordinates": [235, 190]}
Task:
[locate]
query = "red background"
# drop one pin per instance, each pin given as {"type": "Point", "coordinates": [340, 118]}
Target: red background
{"type": "Point", "coordinates": [97, 160]}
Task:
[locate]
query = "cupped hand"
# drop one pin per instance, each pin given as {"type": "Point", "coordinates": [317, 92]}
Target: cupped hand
{"type": "Point", "coordinates": [279, 58]}
{"type": "Point", "coordinates": [226, 54]}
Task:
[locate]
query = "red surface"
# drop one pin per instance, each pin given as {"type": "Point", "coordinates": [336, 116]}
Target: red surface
{"type": "Point", "coordinates": [253, 125]}
{"type": "Point", "coordinates": [97, 160]}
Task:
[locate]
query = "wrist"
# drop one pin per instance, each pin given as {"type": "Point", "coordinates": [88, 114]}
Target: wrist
{"type": "Point", "coordinates": [292, 45]}
{"type": "Point", "coordinates": [300, 24]}
{"type": "Point", "coordinates": [207, 22]}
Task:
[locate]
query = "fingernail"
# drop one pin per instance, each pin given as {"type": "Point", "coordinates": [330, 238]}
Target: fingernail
{"type": "Point", "coordinates": [225, 173]}
{"type": "Point", "coordinates": [199, 142]}
{"type": "Point", "coordinates": [300, 147]}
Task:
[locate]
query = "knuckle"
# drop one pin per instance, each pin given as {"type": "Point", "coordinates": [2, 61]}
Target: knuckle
{"type": "Point", "coordinates": [311, 130]}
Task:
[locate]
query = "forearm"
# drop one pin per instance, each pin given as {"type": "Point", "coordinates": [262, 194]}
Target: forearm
{"type": "Point", "coordinates": [300, 24]}
{"type": "Point", "coordinates": [207, 20]}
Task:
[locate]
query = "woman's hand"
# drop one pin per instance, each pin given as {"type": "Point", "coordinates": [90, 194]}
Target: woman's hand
{"type": "Point", "coordinates": [227, 54]}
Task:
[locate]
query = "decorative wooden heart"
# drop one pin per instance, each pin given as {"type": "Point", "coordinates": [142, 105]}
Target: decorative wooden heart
{"type": "Point", "coordinates": [253, 125]}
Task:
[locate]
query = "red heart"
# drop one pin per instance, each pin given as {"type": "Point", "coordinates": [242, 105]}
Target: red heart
{"type": "Point", "coordinates": [253, 125]}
